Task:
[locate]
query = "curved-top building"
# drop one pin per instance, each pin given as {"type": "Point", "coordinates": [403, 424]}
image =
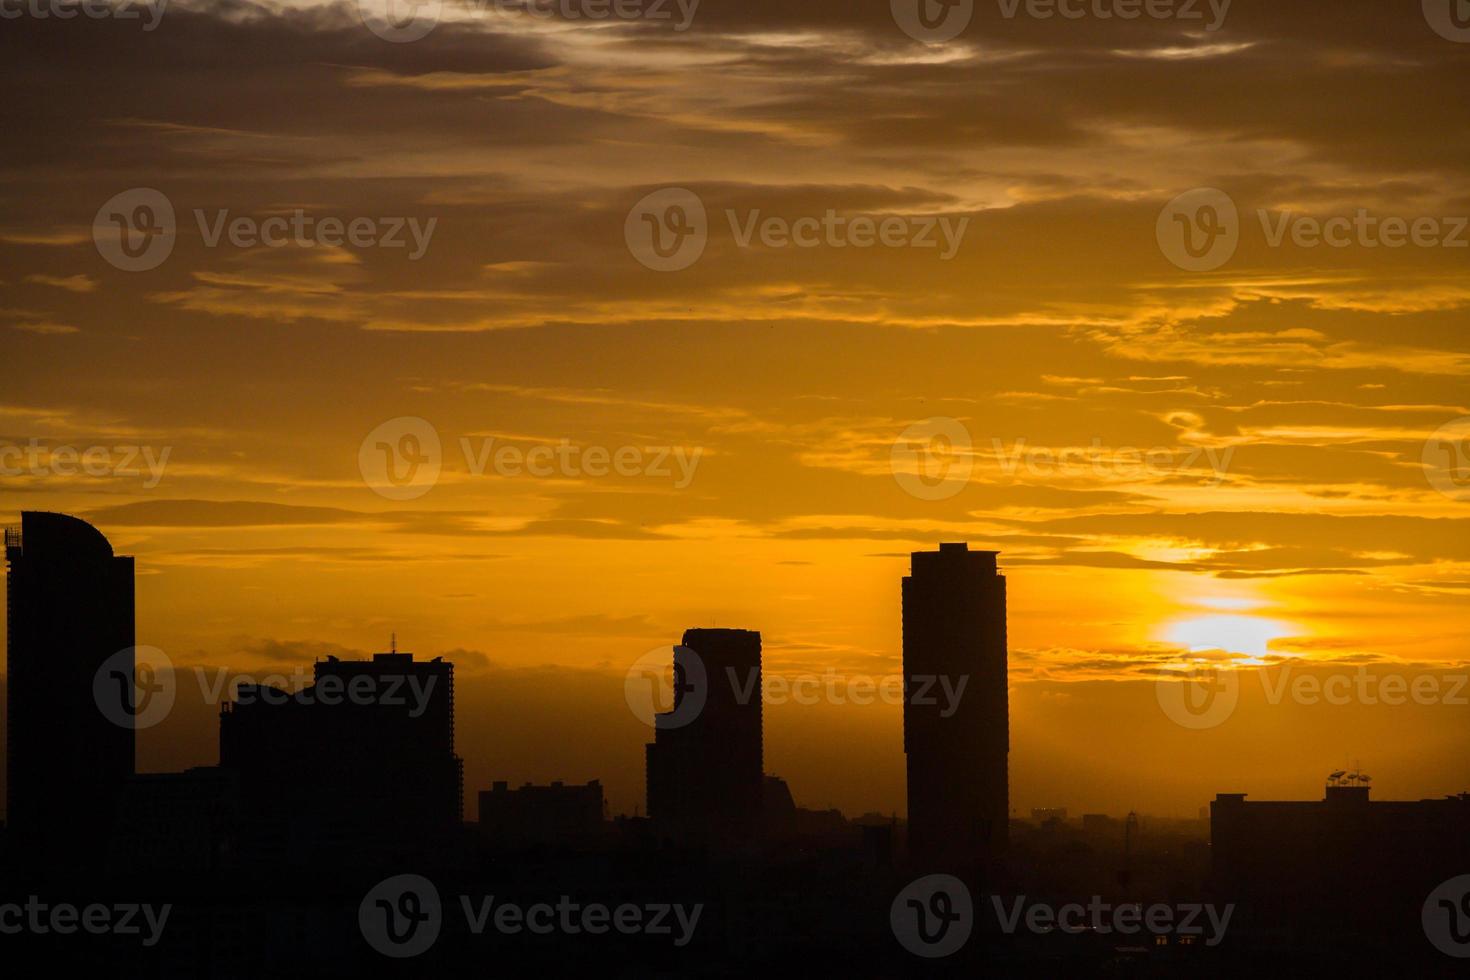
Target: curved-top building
{"type": "Point", "coordinates": [70, 609]}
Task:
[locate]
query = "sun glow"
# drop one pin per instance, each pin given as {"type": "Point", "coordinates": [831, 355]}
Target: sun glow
{"type": "Point", "coordinates": [1248, 635]}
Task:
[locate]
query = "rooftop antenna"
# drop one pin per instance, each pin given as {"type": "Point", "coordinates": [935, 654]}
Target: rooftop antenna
{"type": "Point", "coordinates": [393, 643]}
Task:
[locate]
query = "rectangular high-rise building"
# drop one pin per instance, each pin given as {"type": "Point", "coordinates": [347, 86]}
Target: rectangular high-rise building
{"type": "Point", "coordinates": [70, 687]}
{"type": "Point", "coordinates": [705, 766]}
{"type": "Point", "coordinates": [957, 748]}
{"type": "Point", "coordinates": [1340, 869]}
{"type": "Point", "coordinates": [363, 754]}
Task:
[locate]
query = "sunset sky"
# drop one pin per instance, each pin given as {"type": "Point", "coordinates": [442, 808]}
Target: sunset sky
{"type": "Point", "coordinates": [1261, 462]}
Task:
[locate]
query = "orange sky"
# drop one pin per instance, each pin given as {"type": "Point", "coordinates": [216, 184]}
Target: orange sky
{"type": "Point", "coordinates": [1172, 461]}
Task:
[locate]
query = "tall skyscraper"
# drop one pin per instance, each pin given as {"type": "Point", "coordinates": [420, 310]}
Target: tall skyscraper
{"type": "Point", "coordinates": [705, 766]}
{"type": "Point", "coordinates": [956, 739]}
{"type": "Point", "coordinates": [70, 612]}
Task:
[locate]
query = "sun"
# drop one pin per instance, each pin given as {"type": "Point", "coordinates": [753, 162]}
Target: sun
{"type": "Point", "coordinates": [1250, 636]}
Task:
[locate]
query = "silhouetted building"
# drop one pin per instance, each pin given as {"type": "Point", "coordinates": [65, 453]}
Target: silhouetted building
{"type": "Point", "coordinates": [177, 822]}
{"type": "Point", "coordinates": [704, 767]}
{"type": "Point", "coordinates": [1340, 865]}
{"type": "Point", "coordinates": [542, 814]}
{"type": "Point", "coordinates": [778, 810]}
{"type": "Point", "coordinates": [70, 719]}
{"type": "Point", "coordinates": [957, 739]}
{"type": "Point", "coordinates": [365, 753]}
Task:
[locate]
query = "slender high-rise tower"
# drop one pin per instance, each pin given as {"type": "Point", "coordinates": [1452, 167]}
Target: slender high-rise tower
{"type": "Point", "coordinates": [70, 611]}
{"type": "Point", "coordinates": [956, 727]}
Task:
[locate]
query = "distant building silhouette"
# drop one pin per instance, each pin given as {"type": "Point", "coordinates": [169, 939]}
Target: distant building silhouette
{"type": "Point", "coordinates": [70, 603]}
{"type": "Point", "coordinates": [954, 631]}
{"type": "Point", "coordinates": [1344, 864]}
{"type": "Point", "coordinates": [705, 776]}
{"type": "Point", "coordinates": [177, 822]}
{"type": "Point", "coordinates": [1101, 825]}
{"type": "Point", "coordinates": [542, 814]}
{"type": "Point", "coordinates": [364, 754]}
{"type": "Point", "coordinates": [778, 810]}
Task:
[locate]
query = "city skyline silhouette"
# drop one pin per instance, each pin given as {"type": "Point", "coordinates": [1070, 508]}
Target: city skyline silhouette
{"type": "Point", "coordinates": [726, 487]}
{"type": "Point", "coordinates": [357, 775]}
